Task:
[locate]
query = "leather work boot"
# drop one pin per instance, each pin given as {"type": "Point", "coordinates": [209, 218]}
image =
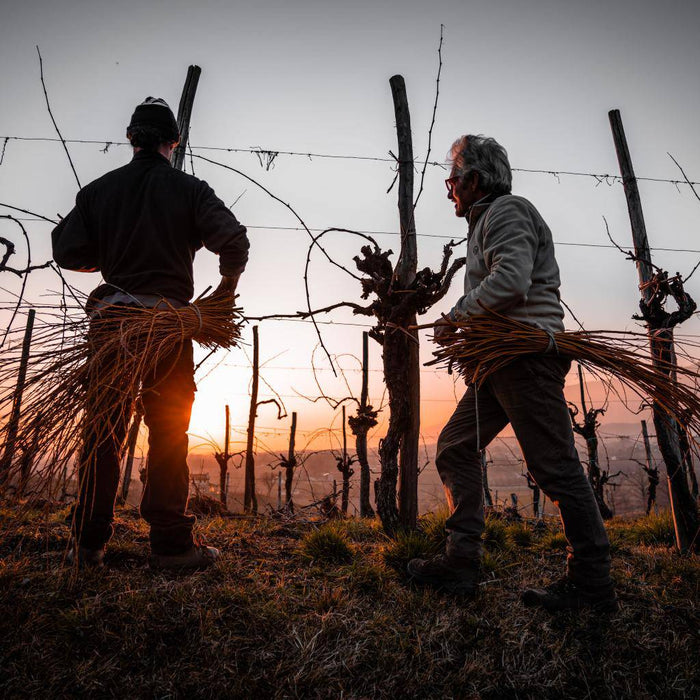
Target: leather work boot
{"type": "Point", "coordinates": [86, 558]}
{"type": "Point", "coordinates": [567, 595]}
{"type": "Point", "coordinates": [446, 573]}
{"type": "Point", "coordinates": [198, 556]}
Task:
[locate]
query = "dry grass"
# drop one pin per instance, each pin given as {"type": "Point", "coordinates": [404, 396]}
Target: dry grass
{"type": "Point", "coordinates": [267, 622]}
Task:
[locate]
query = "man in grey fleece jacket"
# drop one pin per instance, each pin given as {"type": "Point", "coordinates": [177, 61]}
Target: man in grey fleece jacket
{"type": "Point", "coordinates": [511, 268]}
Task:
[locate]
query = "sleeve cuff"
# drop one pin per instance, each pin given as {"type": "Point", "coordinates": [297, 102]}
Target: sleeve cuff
{"type": "Point", "coordinates": [455, 315]}
{"type": "Point", "coordinates": [231, 270]}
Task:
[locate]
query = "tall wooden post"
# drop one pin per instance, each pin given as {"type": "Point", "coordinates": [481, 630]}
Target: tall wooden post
{"type": "Point", "coordinates": [131, 451]}
{"type": "Point", "coordinates": [346, 471]}
{"type": "Point", "coordinates": [184, 113]}
{"type": "Point", "coordinates": [405, 273]}
{"type": "Point", "coordinates": [398, 451]}
{"type": "Point", "coordinates": [360, 425]}
{"type": "Point", "coordinates": [488, 499]}
{"type": "Point", "coordinates": [407, 264]}
{"type": "Point", "coordinates": [250, 501]}
{"type": "Point", "coordinates": [290, 464]}
{"type": "Point", "coordinates": [647, 445]}
{"type": "Point", "coordinates": [683, 507]}
{"type": "Point", "coordinates": [651, 470]}
{"type": "Point", "coordinates": [13, 421]}
{"type": "Point", "coordinates": [223, 465]}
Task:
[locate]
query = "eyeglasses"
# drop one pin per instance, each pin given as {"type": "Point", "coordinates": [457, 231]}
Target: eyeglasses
{"type": "Point", "coordinates": [451, 182]}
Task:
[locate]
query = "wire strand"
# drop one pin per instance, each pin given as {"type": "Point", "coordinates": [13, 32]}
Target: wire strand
{"type": "Point", "coordinates": [427, 235]}
{"type": "Point", "coordinates": [600, 177]}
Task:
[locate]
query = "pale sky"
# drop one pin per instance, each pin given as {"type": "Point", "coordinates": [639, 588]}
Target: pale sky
{"type": "Point", "coordinates": [312, 77]}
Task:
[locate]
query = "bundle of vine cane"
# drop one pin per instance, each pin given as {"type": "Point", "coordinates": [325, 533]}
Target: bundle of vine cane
{"type": "Point", "coordinates": [76, 362]}
{"type": "Point", "coordinates": [485, 343]}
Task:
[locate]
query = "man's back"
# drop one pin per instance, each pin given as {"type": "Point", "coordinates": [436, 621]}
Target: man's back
{"type": "Point", "coordinates": [141, 225]}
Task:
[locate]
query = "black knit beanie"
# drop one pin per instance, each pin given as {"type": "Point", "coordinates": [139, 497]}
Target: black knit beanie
{"type": "Point", "coordinates": [155, 112]}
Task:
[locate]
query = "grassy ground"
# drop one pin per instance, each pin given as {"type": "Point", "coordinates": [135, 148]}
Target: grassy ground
{"type": "Point", "coordinates": [300, 612]}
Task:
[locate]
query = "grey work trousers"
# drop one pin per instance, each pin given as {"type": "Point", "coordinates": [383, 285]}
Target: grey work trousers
{"type": "Point", "coordinates": [528, 394]}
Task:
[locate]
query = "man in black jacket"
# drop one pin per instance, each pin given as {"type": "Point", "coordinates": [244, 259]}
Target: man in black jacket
{"type": "Point", "coordinates": [140, 226]}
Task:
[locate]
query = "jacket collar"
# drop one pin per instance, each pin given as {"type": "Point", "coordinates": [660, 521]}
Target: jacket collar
{"type": "Point", "coordinates": [476, 211]}
{"type": "Point", "coordinates": [150, 155]}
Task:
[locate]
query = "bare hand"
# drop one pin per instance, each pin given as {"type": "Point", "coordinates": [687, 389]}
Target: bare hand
{"type": "Point", "coordinates": [227, 287]}
{"type": "Point", "coordinates": [441, 329]}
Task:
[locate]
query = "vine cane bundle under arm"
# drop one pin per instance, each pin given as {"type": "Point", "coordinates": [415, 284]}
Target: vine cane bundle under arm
{"type": "Point", "coordinates": [485, 343]}
{"type": "Point", "coordinates": [77, 362]}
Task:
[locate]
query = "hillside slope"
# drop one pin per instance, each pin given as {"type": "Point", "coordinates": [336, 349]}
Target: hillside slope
{"type": "Point", "coordinates": [296, 612]}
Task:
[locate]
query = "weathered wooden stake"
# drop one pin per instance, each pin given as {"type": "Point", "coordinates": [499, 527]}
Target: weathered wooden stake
{"type": "Point", "coordinates": [651, 471]}
{"type": "Point", "coordinates": [290, 464]}
{"type": "Point", "coordinates": [223, 466]}
{"type": "Point", "coordinates": [184, 113]}
{"type": "Point", "coordinates": [405, 273]}
{"type": "Point", "coordinates": [279, 490]}
{"type": "Point", "coordinates": [131, 451]}
{"type": "Point", "coordinates": [346, 471]}
{"type": "Point", "coordinates": [13, 421]}
{"type": "Point", "coordinates": [537, 500]}
{"type": "Point", "coordinates": [647, 445]}
{"type": "Point", "coordinates": [683, 507]}
{"type": "Point", "coordinates": [488, 499]}
{"type": "Point", "coordinates": [400, 353]}
{"type": "Point", "coordinates": [360, 425]}
{"type": "Point", "coordinates": [250, 500]}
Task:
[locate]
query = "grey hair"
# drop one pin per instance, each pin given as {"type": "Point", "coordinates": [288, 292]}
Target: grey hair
{"type": "Point", "coordinates": [483, 155]}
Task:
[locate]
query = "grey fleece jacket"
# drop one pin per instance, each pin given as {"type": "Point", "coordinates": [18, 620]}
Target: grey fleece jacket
{"type": "Point", "coordinates": [511, 266]}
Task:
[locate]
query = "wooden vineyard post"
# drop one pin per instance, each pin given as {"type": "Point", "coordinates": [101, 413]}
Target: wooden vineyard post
{"type": "Point", "coordinates": [344, 467]}
{"type": "Point", "coordinates": [651, 471]}
{"type": "Point", "coordinates": [13, 421]}
{"type": "Point", "coordinates": [360, 425]}
{"type": "Point", "coordinates": [488, 499]}
{"type": "Point", "coordinates": [400, 353]}
{"type": "Point", "coordinates": [289, 465]}
{"type": "Point", "coordinates": [131, 451]}
{"type": "Point", "coordinates": [184, 114]}
{"type": "Point", "coordinates": [405, 273]}
{"type": "Point", "coordinates": [224, 468]}
{"type": "Point", "coordinates": [683, 507]}
{"type": "Point", "coordinates": [222, 459]}
{"type": "Point", "coordinates": [250, 501]}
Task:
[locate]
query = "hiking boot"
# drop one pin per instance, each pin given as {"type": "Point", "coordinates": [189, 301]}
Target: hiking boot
{"type": "Point", "coordinates": [446, 573]}
{"type": "Point", "coordinates": [86, 558]}
{"type": "Point", "coordinates": [567, 595]}
{"type": "Point", "coordinates": [197, 557]}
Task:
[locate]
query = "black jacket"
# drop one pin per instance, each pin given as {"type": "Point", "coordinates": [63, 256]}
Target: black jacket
{"type": "Point", "coordinates": [140, 225]}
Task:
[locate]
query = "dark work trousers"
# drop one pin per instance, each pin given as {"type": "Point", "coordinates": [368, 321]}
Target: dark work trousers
{"type": "Point", "coordinates": [528, 394]}
{"type": "Point", "coordinates": [168, 394]}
